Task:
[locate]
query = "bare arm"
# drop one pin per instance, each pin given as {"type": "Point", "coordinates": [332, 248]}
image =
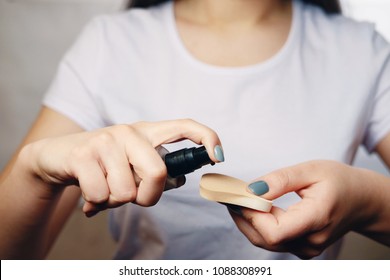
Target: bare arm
{"type": "Point", "coordinates": [48, 124]}
{"type": "Point", "coordinates": [57, 161]}
{"type": "Point", "coordinates": [380, 227]}
{"type": "Point", "coordinates": [383, 149]}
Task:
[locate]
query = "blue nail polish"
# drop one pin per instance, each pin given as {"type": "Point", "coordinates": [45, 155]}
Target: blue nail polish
{"type": "Point", "coordinates": [218, 153]}
{"type": "Point", "coordinates": [259, 188]}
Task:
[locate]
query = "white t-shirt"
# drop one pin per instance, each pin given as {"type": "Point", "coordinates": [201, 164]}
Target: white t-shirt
{"type": "Point", "coordinates": [322, 95]}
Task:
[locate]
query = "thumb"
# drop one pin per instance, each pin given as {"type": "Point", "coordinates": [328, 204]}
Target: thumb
{"type": "Point", "coordinates": [285, 180]}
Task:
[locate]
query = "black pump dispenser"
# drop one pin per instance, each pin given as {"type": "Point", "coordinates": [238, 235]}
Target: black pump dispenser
{"type": "Point", "coordinates": [187, 160]}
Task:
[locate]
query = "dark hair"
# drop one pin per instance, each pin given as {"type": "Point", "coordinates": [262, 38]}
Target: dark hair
{"type": "Point", "coordinates": [329, 6]}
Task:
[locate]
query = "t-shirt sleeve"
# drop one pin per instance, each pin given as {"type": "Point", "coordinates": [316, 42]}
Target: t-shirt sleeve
{"type": "Point", "coordinates": [379, 122]}
{"type": "Point", "coordinates": [72, 92]}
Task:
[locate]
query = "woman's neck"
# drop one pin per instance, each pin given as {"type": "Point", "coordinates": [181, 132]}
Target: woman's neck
{"type": "Point", "coordinates": [225, 13]}
{"type": "Point", "coordinates": [233, 32]}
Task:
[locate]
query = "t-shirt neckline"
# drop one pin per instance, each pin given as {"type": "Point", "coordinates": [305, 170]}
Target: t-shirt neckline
{"type": "Point", "coordinates": [261, 66]}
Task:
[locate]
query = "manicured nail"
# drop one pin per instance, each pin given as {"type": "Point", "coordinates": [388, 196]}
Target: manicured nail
{"type": "Point", "coordinates": [90, 214]}
{"type": "Point", "coordinates": [259, 188]}
{"type": "Point", "coordinates": [218, 153]}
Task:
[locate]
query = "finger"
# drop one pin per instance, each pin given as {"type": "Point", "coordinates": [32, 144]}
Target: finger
{"type": "Point", "coordinates": [92, 182]}
{"type": "Point", "coordinates": [290, 179]}
{"type": "Point", "coordinates": [282, 226]}
{"type": "Point", "coordinates": [120, 178]}
{"type": "Point", "coordinates": [299, 247]}
{"type": "Point", "coordinates": [91, 209]}
{"type": "Point", "coordinates": [170, 183]}
{"type": "Point", "coordinates": [93, 185]}
{"type": "Point", "coordinates": [150, 168]}
{"type": "Point", "coordinates": [248, 230]}
{"type": "Point", "coordinates": [302, 249]}
{"type": "Point", "coordinates": [252, 232]}
{"type": "Point", "coordinates": [174, 183]}
{"type": "Point", "coordinates": [174, 130]}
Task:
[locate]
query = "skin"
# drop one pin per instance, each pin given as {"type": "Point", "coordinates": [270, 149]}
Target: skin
{"type": "Point", "coordinates": [233, 33]}
{"type": "Point", "coordinates": [238, 33]}
{"type": "Point", "coordinates": [336, 198]}
{"type": "Point", "coordinates": [58, 161]}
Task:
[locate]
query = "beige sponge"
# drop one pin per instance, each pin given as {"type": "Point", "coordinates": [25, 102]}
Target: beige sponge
{"type": "Point", "coordinates": [226, 189]}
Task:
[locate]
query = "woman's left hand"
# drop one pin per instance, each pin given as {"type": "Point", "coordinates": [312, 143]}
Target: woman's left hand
{"type": "Point", "coordinates": [334, 201]}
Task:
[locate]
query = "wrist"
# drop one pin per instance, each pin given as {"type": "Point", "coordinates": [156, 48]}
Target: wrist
{"type": "Point", "coordinates": [373, 209]}
{"type": "Point", "coordinates": [27, 204]}
{"type": "Point", "coordinates": [29, 173]}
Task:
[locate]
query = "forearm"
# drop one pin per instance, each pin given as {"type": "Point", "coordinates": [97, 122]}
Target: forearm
{"type": "Point", "coordinates": [26, 205]}
{"type": "Point", "coordinates": [375, 192]}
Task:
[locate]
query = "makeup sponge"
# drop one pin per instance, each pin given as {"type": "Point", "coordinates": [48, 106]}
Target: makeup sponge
{"type": "Point", "coordinates": [226, 189]}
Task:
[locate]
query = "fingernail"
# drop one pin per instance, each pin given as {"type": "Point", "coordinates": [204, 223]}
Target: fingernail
{"type": "Point", "coordinates": [218, 153]}
{"type": "Point", "coordinates": [90, 214]}
{"type": "Point", "coordinates": [259, 188]}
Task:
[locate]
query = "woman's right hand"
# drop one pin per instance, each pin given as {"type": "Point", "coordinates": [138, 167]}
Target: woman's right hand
{"type": "Point", "coordinates": [105, 163]}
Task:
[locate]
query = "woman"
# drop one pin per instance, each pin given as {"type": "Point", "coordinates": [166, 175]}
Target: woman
{"type": "Point", "coordinates": [282, 82]}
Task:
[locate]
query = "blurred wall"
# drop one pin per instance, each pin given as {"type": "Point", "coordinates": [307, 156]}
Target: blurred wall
{"type": "Point", "coordinates": [34, 34]}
